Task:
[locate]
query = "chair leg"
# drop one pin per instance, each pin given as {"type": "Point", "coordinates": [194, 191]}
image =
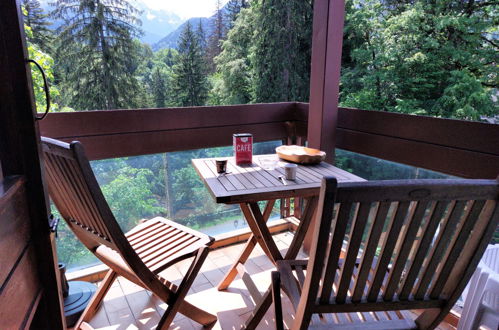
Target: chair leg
{"type": "Point", "coordinates": [92, 307]}
{"type": "Point", "coordinates": [276, 297]}
{"type": "Point", "coordinates": [197, 314]}
{"type": "Point", "coordinates": [428, 317]}
{"type": "Point", "coordinates": [178, 303]}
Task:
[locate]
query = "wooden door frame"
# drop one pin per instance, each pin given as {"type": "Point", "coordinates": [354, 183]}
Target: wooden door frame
{"type": "Point", "coordinates": [20, 155]}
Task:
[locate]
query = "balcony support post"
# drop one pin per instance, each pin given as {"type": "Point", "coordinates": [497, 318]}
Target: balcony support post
{"type": "Point", "coordinates": [327, 39]}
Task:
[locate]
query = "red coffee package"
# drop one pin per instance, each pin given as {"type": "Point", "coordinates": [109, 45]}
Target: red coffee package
{"type": "Point", "coordinates": [243, 148]}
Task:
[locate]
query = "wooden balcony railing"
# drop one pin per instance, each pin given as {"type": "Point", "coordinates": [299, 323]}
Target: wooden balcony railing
{"type": "Point", "coordinates": [461, 148]}
{"type": "Point", "coordinates": [118, 133]}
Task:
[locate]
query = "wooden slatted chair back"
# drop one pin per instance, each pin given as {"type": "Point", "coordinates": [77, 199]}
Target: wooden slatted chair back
{"type": "Point", "coordinates": [408, 244]}
{"type": "Point", "coordinates": [78, 197]}
{"type": "Point", "coordinates": [76, 193]}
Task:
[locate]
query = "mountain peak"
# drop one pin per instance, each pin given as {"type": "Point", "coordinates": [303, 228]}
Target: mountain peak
{"type": "Point", "coordinates": [171, 39]}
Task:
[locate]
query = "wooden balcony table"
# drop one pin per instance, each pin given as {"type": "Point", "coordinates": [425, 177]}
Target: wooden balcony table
{"type": "Point", "coordinates": [249, 184]}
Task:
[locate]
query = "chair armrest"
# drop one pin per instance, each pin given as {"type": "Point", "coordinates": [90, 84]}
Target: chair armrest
{"type": "Point", "coordinates": [491, 292]}
{"type": "Point", "coordinates": [276, 297]}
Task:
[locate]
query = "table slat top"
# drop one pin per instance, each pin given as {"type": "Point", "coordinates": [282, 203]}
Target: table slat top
{"type": "Point", "coordinates": [254, 183]}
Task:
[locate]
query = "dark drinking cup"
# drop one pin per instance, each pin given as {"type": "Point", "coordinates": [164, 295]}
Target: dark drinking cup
{"type": "Point", "coordinates": [221, 165]}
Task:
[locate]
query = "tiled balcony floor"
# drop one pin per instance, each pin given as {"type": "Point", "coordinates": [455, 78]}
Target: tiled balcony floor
{"type": "Point", "coordinates": [128, 306]}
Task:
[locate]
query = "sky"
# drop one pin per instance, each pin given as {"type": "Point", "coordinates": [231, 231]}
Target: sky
{"type": "Point", "coordinates": [184, 8]}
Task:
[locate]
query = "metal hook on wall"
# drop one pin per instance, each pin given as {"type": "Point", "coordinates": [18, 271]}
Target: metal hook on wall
{"type": "Point", "coordinates": [45, 87]}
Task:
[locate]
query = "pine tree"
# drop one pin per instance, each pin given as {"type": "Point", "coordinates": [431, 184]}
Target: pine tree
{"type": "Point", "coordinates": [282, 49]}
{"type": "Point", "coordinates": [169, 58]}
{"type": "Point", "coordinates": [189, 74]}
{"type": "Point", "coordinates": [144, 75]}
{"type": "Point", "coordinates": [217, 36]}
{"type": "Point", "coordinates": [203, 46]}
{"type": "Point", "coordinates": [201, 35]}
{"type": "Point", "coordinates": [234, 64]}
{"type": "Point", "coordinates": [97, 53]}
{"type": "Point", "coordinates": [158, 85]}
{"type": "Point", "coordinates": [233, 7]}
{"type": "Point", "coordinates": [37, 20]}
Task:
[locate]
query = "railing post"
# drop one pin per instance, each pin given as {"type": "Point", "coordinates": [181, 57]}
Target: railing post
{"type": "Point", "coordinates": [327, 41]}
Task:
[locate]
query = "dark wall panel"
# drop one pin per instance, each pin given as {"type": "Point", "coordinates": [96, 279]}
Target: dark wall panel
{"type": "Point", "coordinates": [14, 224]}
{"type": "Point", "coordinates": [19, 284]}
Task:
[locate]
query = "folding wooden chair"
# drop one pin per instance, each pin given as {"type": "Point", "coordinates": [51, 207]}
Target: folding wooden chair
{"type": "Point", "coordinates": [141, 254]}
{"type": "Point", "coordinates": [381, 248]}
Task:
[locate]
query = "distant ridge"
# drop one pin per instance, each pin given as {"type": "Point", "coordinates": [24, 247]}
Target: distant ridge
{"type": "Point", "coordinates": [155, 23]}
{"type": "Point", "coordinates": [171, 39]}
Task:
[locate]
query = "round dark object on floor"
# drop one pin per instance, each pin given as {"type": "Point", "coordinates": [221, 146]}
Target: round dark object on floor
{"type": "Point", "coordinates": [77, 299]}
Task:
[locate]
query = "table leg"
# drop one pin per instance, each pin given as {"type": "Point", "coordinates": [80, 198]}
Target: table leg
{"type": "Point", "coordinates": [231, 274]}
{"type": "Point", "coordinates": [303, 227]}
{"type": "Point", "coordinates": [259, 228]}
{"type": "Point", "coordinates": [248, 248]}
{"type": "Point", "coordinates": [294, 248]}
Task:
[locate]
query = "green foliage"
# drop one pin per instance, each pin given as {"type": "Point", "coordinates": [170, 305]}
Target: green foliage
{"type": "Point", "coordinates": [215, 39]}
{"type": "Point", "coordinates": [266, 57]}
{"type": "Point", "coordinates": [166, 56]}
{"type": "Point", "coordinates": [217, 93]}
{"type": "Point", "coordinates": [190, 86]}
{"type": "Point", "coordinates": [233, 8]}
{"type": "Point", "coordinates": [47, 63]}
{"type": "Point", "coordinates": [233, 64]}
{"type": "Point", "coordinates": [281, 53]}
{"type": "Point", "coordinates": [37, 20]}
{"type": "Point", "coordinates": [465, 97]}
{"type": "Point", "coordinates": [70, 250]}
{"type": "Point", "coordinates": [201, 35]}
{"type": "Point", "coordinates": [96, 53]}
{"type": "Point", "coordinates": [154, 72]}
{"type": "Point", "coordinates": [129, 196]}
{"type": "Point", "coordinates": [190, 200]}
{"type": "Point", "coordinates": [436, 59]}
{"type": "Point", "coordinates": [158, 85]}
{"type": "Point", "coordinates": [189, 190]}
{"type": "Point", "coordinates": [416, 57]}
